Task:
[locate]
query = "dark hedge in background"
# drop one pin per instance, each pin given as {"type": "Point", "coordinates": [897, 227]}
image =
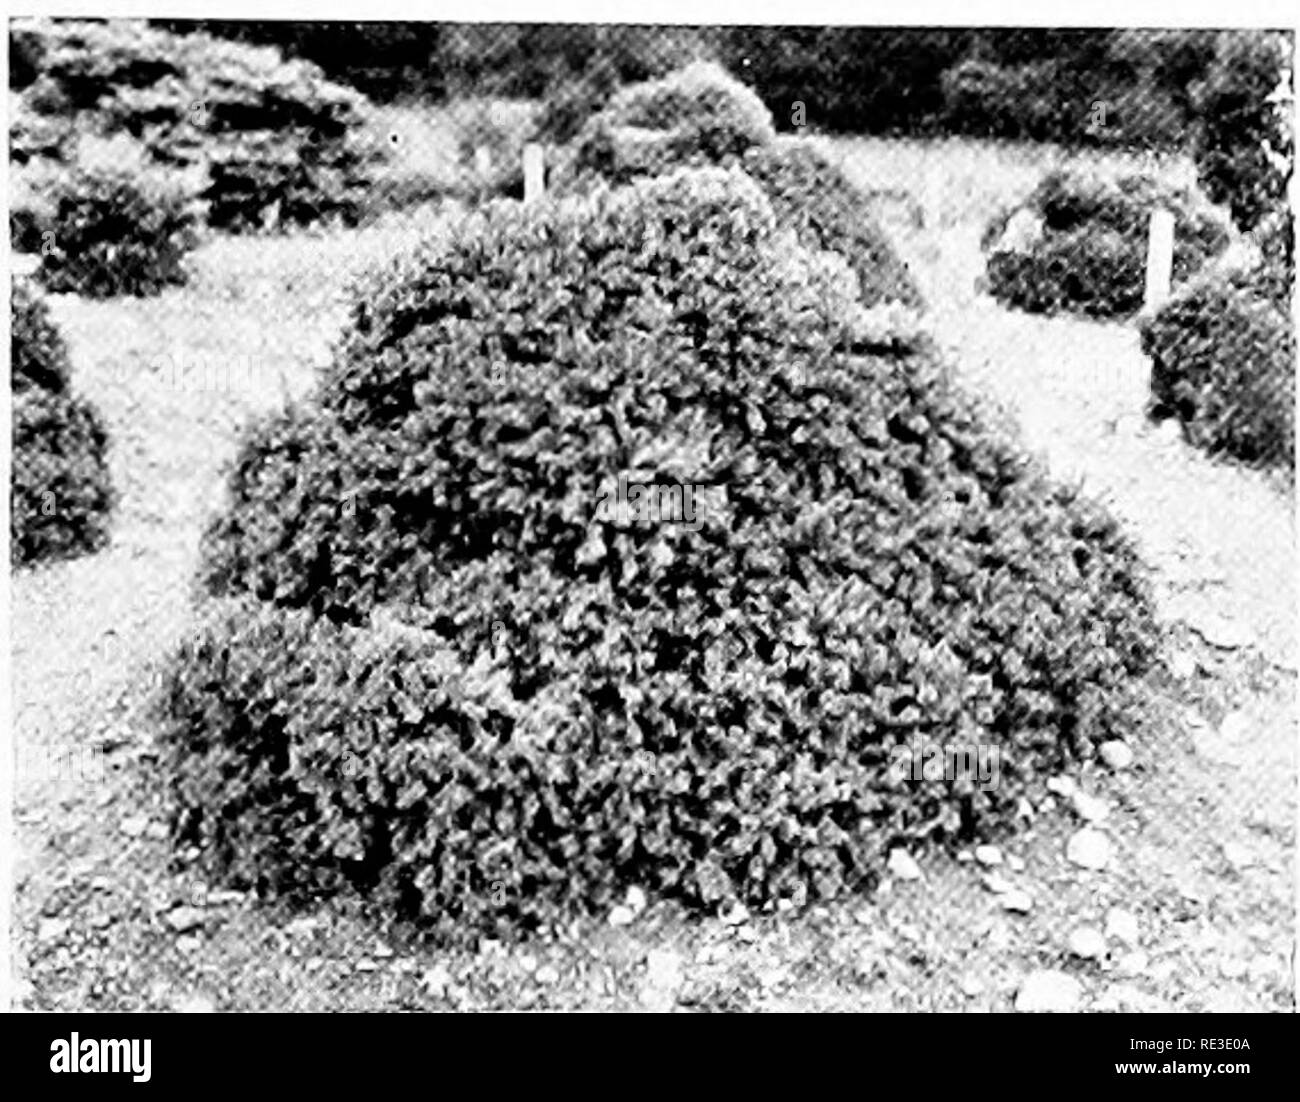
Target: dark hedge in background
{"type": "Point", "coordinates": [435, 674]}
{"type": "Point", "coordinates": [60, 496]}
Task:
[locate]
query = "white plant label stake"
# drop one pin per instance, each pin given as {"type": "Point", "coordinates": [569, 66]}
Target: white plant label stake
{"type": "Point", "coordinates": [534, 172]}
{"type": "Point", "coordinates": [1160, 259]}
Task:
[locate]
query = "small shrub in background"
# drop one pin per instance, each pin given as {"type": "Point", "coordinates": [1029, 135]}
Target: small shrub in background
{"type": "Point", "coordinates": [1223, 362]}
{"type": "Point", "coordinates": [60, 494]}
{"type": "Point", "coordinates": [695, 115]}
{"type": "Point", "coordinates": [1078, 243]}
{"type": "Point", "coordinates": [117, 224]}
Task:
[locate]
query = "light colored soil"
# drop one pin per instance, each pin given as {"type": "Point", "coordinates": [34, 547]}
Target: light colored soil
{"type": "Point", "coordinates": [1202, 824]}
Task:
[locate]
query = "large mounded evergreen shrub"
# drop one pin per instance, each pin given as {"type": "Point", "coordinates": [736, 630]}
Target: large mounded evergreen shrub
{"type": "Point", "coordinates": [442, 670]}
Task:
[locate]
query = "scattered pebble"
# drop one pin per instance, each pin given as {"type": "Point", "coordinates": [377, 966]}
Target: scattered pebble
{"type": "Point", "coordinates": [1227, 744]}
{"type": "Point", "coordinates": [183, 919]}
{"type": "Point", "coordinates": [735, 914]}
{"type": "Point", "coordinates": [998, 885]}
{"type": "Point", "coordinates": [1182, 665]}
{"type": "Point", "coordinates": [1048, 991]}
{"type": "Point", "coordinates": [621, 916]}
{"type": "Point", "coordinates": [988, 855]}
{"type": "Point", "coordinates": [999, 939]}
{"type": "Point", "coordinates": [135, 825]}
{"type": "Point", "coordinates": [528, 964]}
{"type": "Point", "coordinates": [965, 857]}
{"type": "Point", "coordinates": [1222, 632]}
{"type": "Point", "coordinates": [1238, 856]}
{"type": "Point", "coordinates": [1024, 810]}
{"type": "Point", "coordinates": [1016, 864]}
{"type": "Point", "coordinates": [365, 964]}
{"type": "Point", "coordinates": [664, 969]}
{"type": "Point", "coordinates": [902, 865]}
{"type": "Point", "coordinates": [383, 951]}
{"type": "Point", "coordinates": [1088, 943]}
{"type": "Point", "coordinates": [1018, 901]}
{"type": "Point", "coordinates": [1134, 963]}
{"type": "Point", "coordinates": [1062, 786]}
{"type": "Point", "coordinates": [1234, 726]}
{"type": "Point", "coordinates": [1169, 432]}
{"type": "Point", "coordinates": [1233, 968]}
{"type": "Point", "coordinates": [188, 943]}
{"type": "Point", "coordinates": [547, 975]}
{"type": "Point", "coordinates": [302, 927]}
{"type": "Point", "coordinates": [52, 929]}
{"type": "Point", "coordinates": [1122, 925]}
{"type": "Point", "coordinates": [636, 900]}
{"type": "Point", "coordinates": [972, 987]}
{"type": "Point", "coordinates": [1116, 754]}
{"type": "Point", "coordinates": [1089, 808]}
{"type": "Point", "coordinates": [195, 1004]}
{"type": "Point", "coordinates": [436, 980]}
{"type": "Point", "coordinates": [1089, 849]}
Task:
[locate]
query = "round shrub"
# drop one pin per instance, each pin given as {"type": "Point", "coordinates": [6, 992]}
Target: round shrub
{"type": "Point", "coordinates": [117, 226]}
{"type": "Point", "coordinates": [698, 115]}
{"type": "Point", "coordinates": [449, 671]}
{"type": "Point", "coordinates": [1078, 243]}
{"type": "Point", "coordinates": [1223, 361]}
{"type": "Point", "coordinates": [811, 195]}
{"type": "Point", "coordinates": [60, 496]}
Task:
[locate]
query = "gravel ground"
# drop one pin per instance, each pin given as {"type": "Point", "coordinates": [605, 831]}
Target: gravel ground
{"type": "Point", "coordinates": [1192, 910]}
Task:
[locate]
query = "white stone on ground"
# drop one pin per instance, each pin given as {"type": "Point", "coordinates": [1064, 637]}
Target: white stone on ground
{"type": "Point", "coordinates": [1048, 990]}
{"type": "Point", "coordinates": [1089, 849]}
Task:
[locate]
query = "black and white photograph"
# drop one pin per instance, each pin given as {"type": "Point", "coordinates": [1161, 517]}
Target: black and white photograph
{"type": "Point", "coordinates": [655, 516]}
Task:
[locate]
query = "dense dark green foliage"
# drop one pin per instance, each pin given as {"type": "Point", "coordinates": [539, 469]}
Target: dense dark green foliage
{"type": "Point", "coordinates": [440, 674]}
{"type": "Point", "coordinates": [1223, 362]}
{"type": "Point", "coordinates": [110, 228]}
{"type": "Point", "coordinates": [695, 115]}
{"type": "Point", "coordinates": [38, 358]}
{"type": "Point", "coordinates": [279, 140]}
{"type": "Point", "coordinates": [811, 195]}
{"type": "Point", "coordinates": [60, 496]}
{"type": "Point", "coordinates": [1090, 256]}
{"type": "Point", "coordinates": [1245, 145]}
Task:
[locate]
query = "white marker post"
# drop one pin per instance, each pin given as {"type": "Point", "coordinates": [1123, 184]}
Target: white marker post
{"type": "Point", "coordinates": [534, 172]}
{"type": "Point", "coordinates": [483, 161]}
{"type": "Point", "coordinates": [1160, 259]}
